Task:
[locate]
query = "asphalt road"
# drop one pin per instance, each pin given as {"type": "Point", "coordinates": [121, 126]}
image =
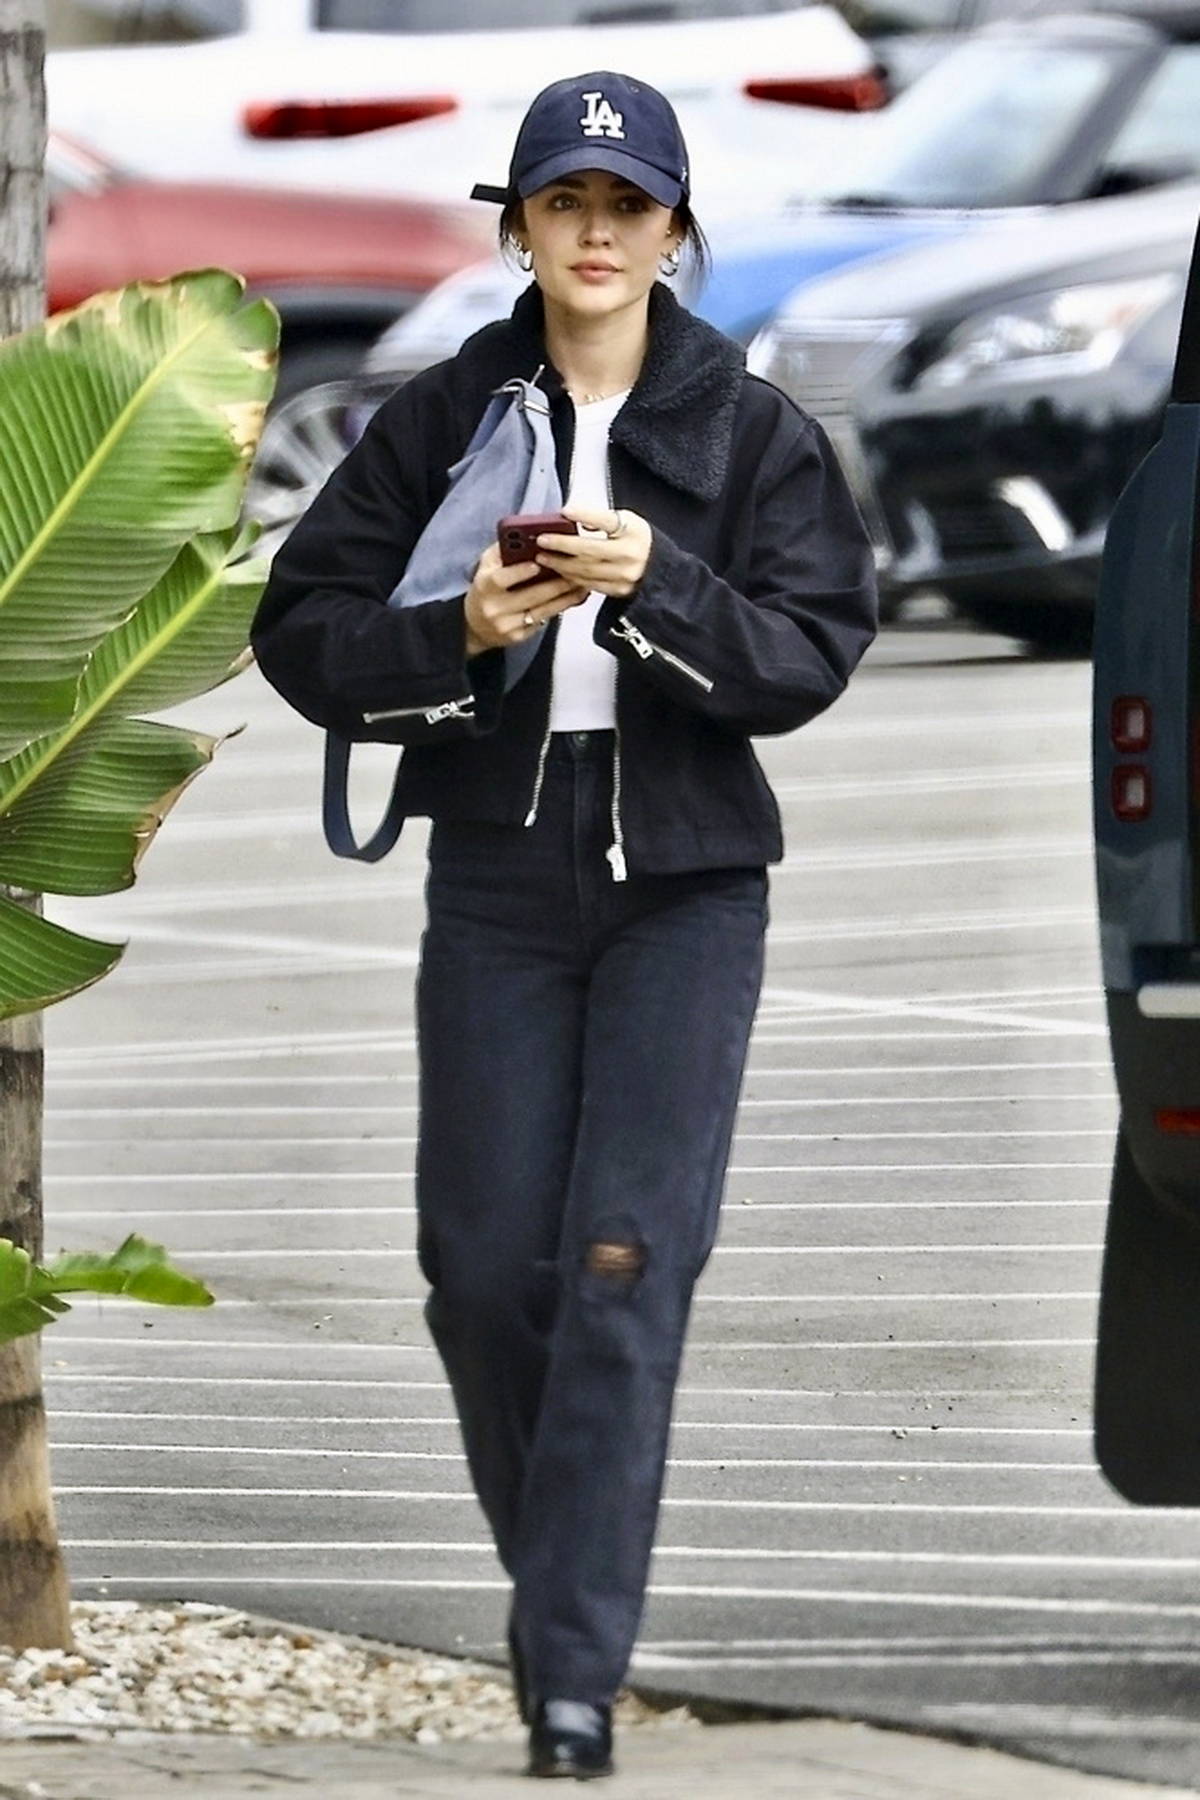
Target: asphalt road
{"type": "Point", "coordinates": [882, 1500]}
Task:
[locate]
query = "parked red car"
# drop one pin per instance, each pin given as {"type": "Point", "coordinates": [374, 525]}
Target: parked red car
{"type": "Point", "coordinates": [339, 267]}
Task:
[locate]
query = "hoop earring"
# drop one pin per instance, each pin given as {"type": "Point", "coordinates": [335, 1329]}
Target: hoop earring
{"type": "Point", "coordinates": [669, 264]}
{"type": "Point", "coordinates": [524, 258]}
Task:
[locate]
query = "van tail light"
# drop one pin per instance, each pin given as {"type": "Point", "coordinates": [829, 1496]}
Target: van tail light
{"type": "Point", "coordinates": [838, 93]}
{"type": "Point", "coordinates": [1130, 792]}
{"type": "Point", "coordinates": [1130, 723]}
{"type": "Point", "coordinates": [277, 119]}
{"type": "Point", "coordinates": [1178, 1121]}
{"type": "Point", "coordinates": [1130, 728]}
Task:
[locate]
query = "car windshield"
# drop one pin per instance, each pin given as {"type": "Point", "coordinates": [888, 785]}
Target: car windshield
{"type": "Point", "coordinates": [1160, 139]}
{"type": "Point", "coordinates": [985, 127]}
{"type": "Point", "coordinates": [505, 15]}
{"type": "Point", "coordinates": [154, 20]}
{"type": "Point", "coordinates": [878, 18]}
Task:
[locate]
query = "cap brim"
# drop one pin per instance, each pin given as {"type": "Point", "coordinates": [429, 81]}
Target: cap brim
{"type": "Point", "coordinates": [652, 181]}
{"type": "Point", "coordinates": [483, 190]}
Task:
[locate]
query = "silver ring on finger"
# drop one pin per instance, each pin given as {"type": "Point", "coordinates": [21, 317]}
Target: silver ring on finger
{"type": "Point", "coordinates": [618, 529]}
{"type": "Point", "coordinates": [529, 622]}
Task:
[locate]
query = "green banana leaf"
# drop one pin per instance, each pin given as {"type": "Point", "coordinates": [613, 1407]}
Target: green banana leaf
{"type": "Point", "coordinates": [79, 807]}
{"type": "Point", "coordinates": [41, 962]}
{"type": "Point", "coordinates": [127, 427]}
{"type": "Point", "coordinates": [87, 817]}
{"type": "Point", "coordinates": [31, 1294]}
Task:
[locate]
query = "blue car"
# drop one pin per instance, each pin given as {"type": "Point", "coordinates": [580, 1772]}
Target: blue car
{"type": "Point", "coordinates": [1031, 114]}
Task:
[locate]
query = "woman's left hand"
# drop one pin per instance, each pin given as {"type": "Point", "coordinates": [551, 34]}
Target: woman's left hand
{"type": "Point", "coordinates": [612, 564]}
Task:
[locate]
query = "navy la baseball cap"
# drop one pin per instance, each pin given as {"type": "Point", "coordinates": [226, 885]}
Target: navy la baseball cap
{"type": "Point", "coordinates": [597, 121]}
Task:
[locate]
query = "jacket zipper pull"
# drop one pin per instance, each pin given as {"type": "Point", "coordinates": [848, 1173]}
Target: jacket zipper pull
{"type": "Point", "coordinates": [452, 709]}
{"type": "Point", "coordinates": [616, 862]}
{"type": "Point", "coordinates": [631, 635]}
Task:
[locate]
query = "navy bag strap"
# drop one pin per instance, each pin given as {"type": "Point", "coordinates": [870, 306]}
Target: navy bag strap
{"type": "Point", "coordinates": [538, 453]}
{"type": "Point", "coordinates": [335, 807]}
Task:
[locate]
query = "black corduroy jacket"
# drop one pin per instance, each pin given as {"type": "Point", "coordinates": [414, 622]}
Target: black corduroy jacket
{"type": "Point", "coordinates": [756, 604]}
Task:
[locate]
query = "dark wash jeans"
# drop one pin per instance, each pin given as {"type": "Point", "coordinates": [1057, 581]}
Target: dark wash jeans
{"type": "Point", "coordinates": [582, 1045]}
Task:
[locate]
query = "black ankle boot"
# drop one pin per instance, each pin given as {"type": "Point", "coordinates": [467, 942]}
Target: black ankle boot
{"type": "Point", "coordinates": [571, 1738]}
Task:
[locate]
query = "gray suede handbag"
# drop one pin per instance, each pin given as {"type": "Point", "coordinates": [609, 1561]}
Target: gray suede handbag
{"type": "Point", "coordinates": [508, 467]}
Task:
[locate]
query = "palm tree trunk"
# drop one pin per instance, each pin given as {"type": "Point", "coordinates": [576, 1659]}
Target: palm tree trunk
{"type": "Point", "coordinates": [34, 1597]}
{"type": "Point", "coordinates": [33, 1577]}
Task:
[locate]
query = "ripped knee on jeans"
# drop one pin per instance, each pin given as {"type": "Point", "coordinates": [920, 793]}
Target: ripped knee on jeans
{"type": "Point", "coordinates": [620, 1263]}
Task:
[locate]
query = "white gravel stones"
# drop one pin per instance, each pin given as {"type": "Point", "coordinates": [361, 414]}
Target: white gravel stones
{"type": "Point", "coordinates": [192, 1667]}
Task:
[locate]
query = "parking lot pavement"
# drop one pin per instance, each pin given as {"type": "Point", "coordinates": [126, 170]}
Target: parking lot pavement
{"type": "Point", "coordinates": [882, 1501]}
{"type": "Point", "coordinates": [814, 1760]}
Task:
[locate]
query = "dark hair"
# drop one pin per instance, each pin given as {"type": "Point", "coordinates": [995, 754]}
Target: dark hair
{"type": "Point", "coordinates": [694, 241]}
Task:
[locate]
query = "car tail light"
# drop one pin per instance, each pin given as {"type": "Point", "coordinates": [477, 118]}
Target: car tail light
{"type": "Point", "coordinates": [1131, 792]}
{"type": "Point", "coordinates": [339, 118]}
{"type": "Point", "coordinates": [1180, 1121]}
{"type": "Point", "coordinates": [1130, 723]}
{"type": "Point", "coordinates": [840, 93]}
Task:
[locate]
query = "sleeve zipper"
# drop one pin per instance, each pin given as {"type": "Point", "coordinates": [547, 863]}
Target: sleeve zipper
{"type": "Point", "coordinates": [433, 715]}
{"type": "Point", "coordinates": [645, 649]}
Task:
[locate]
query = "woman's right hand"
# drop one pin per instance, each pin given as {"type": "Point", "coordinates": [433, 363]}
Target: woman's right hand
{"type": "Point", "coordinates": [500, 610]}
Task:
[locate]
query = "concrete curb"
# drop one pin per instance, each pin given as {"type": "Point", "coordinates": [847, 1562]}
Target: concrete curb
{"type": "Point", "coordinates": [820, 1759]}
{"type": "Point", "coordinates": [737, 1751]}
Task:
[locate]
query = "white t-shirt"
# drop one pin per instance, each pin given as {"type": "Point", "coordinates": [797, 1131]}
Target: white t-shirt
{"type": "Point", "coordinates": [584, 695]}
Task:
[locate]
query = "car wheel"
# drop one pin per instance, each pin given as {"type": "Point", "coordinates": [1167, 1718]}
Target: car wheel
{"type": "Point", "coordinates": [303, 442]}
{"type": "Point", "coordinates": [1042, 626]}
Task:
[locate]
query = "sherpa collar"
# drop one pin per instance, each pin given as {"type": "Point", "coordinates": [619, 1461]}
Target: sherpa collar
{"type": "Point", "coordinates": [678, 421]}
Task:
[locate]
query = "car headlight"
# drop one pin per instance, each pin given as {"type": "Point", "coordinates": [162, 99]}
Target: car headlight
{"type": "Point", "coordinates": [1069, 332]}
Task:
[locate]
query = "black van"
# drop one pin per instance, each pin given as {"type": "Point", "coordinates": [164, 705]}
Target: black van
{"type": "Point", "coordinates": [1146, 726]}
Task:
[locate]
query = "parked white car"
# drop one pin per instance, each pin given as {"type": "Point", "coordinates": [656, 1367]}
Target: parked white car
{"type": "Point", "coordinates": [332, 93]}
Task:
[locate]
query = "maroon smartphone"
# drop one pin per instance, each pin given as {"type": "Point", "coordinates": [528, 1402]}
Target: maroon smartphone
{"type": "Point", "coordinates": [518, 534]}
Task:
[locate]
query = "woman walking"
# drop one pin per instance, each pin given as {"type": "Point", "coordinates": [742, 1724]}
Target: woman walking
{"type": "Point", "coordinates": [597, 891]}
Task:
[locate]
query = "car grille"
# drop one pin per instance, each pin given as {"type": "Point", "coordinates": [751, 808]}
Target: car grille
{"type": "Point", "coordinates": [982, 526]}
